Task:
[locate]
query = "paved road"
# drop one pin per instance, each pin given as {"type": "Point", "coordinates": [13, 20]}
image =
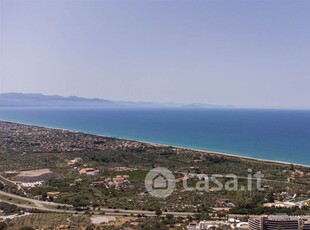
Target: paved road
{"type": "Point", "coordinates": [236, 216]}
{"type": "Point", "coordinates": [19, 187]}
{"type": "Point", "coordinates": [7, 180]}
{"type": "Point", "coordinates": [37, 203]}
{"type": "Point", "coordinates": [41, 205]}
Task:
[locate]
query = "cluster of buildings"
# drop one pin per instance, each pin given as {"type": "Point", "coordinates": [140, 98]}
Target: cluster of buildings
{"type": "Point", "coordinates": [53, 195]}
{"type": "Point", "coordinates": [287, 200]}
{"type": "Point", "coordinates": [224, 203]}
{"type": "Point", "coordinates": [43, 139]}
{"type": "Point", "coordinates": [297, 174]}
{"type": "Point", "coordinates": [74, 161]}
{"type": "Point", "coordinates": [275, 222]}
{"type": "Point", "coordinates": [76, 182]}
{"type": "Point", "coordinates": [89, 171]}
{"type": "Point", "coordinates": [126, 144]}
{"type": "Point", "coordinates": [231, 223]}
{"type": "Point", "coordinates": [272, 222]}
{"type": "Point", "coordinates": [117, 183]}
{"type": "Point", "coordinates": [31, 178]}
{"type": "Point", "coordinates": [31, 184]}
{"type": "Point", "coordinates": [25, 138]}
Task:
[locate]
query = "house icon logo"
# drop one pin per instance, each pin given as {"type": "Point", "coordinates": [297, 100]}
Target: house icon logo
{"type": "Point", "coordinates": [160, 182]}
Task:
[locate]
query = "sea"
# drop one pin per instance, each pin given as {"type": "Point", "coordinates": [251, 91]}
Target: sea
{"type": "Point", "coordinates": [280, 135]}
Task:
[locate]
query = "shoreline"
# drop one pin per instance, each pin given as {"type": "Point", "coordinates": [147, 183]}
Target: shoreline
{"type": "Point", "coordinates": [225, 154]}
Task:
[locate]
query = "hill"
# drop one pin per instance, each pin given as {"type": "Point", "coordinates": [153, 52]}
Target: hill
{"type": "Point", "coordinates": [55, 101]}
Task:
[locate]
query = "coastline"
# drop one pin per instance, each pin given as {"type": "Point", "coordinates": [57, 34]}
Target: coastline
{"type": "Point", "coordinates": [225, 154]}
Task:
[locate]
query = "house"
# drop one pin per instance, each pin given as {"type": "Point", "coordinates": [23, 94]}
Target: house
{"type": "Point", "coordinates": [224, 203]}
{"type": "Point", "coordinates": [97, 183]}
{"type": "Point", "coordinates": [77, 181]}
{"type": "Point", "coordinates": [89, 171]}
{"type": "Point", "coordinates": [64, 226]}
{"type": "Point", "coordinates": [52, 194]}
{"type": "Point", "coordinates": [119, 179]}
{"type": "Point", "coordinates": [126, 176]}
{"type": "Point", "coordinates": [111, 184]}
{"type": "Point", "coordinates": [74, 161]}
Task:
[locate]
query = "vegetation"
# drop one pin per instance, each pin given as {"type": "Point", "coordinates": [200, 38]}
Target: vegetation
{"type": "Point", "coordinates": [48, 221]}
{"type": "Point", "coordinates": [8, 208]}
{"type": "Point", "coordinates": [52, 149]}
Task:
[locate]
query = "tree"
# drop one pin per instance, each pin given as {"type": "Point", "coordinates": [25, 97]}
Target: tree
{"type": "Point", "coordinates": [270, 197]}
{"type": "Point", "coordinates": [26, 228]}
{"type": "Point", "coordinates": [169, 216]}
{"type": "Point", "coordinates": [158, 212]}
{"type": "Point", "coordinates": [90, 227]}
{"type": "Point", "coordinates": [221, 214]}
{"type": "Point", "coordinates": [3, 226]}
{"type": "Point", "coordinates": [1, 185]}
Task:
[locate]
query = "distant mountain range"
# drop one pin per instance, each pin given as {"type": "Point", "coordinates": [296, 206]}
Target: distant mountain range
{"type": "Point", "coordinates": [54, 101]}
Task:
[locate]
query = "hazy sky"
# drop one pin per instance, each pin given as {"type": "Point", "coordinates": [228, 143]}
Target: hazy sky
{"type": "Point", "coordinates": [243, 53]}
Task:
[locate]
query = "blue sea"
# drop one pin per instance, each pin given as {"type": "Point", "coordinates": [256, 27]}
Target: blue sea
{"type": "Point", "coordinates": [282, 135]}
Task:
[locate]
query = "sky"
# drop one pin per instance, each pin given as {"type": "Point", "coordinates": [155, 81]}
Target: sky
{"type": "Point", "coordinates": [242, 53]}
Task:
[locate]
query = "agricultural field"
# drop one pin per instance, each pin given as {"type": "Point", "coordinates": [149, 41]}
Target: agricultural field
{"type": "Point", "coordinates": [49, 221]}
{"type": "Point", "coordinates": [14, 200]}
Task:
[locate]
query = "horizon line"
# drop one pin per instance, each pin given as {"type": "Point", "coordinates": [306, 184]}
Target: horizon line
{"type": "Point", "coordinates": [168, 103]}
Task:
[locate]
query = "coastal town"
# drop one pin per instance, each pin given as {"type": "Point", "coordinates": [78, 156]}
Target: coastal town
{"type": "Point", "coordinates": [100, 182]}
